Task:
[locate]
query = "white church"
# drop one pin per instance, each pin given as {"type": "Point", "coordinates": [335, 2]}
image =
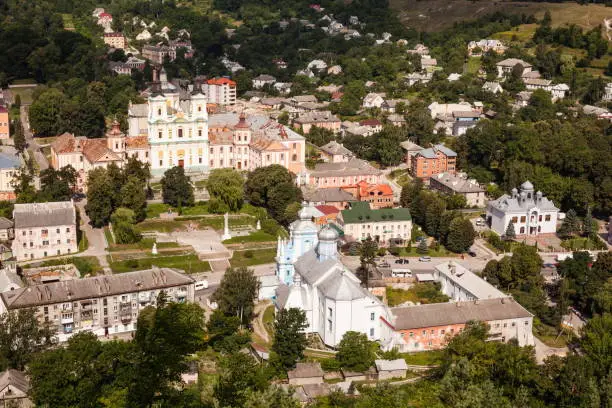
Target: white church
{"type": "Point", "coordinates": [314, 280]}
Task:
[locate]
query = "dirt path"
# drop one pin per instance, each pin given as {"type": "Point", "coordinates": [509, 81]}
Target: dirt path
{"type": "Point", "coordinates": [258, 325]}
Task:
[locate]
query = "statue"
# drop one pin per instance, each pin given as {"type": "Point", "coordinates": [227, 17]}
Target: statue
{"type": "Point", "coordinates": [154, 249]}
{"type": "Point", "coordinates": [226, 231]}
{"type": "Point", "coordinates": [258, 226]}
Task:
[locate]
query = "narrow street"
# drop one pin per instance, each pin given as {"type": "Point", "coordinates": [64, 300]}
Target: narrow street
{"type": "Point", "coordinates": [33, 146]}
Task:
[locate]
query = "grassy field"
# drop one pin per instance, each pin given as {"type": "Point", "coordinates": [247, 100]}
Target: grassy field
{"type": "Point", "coordinates": [522, 33]}
{"type": "Point", "coordinates": [145, 244]}
{"type": "Point", "coordinates": [257, 236]}
{"type": "Point", "coordinates": [189, 263]}
{"type": "Point", "coordinates": [423, 358]}
{"type": "Point", "coordinates": [24, 93]}
{"type": "Point", "coordinates": [473, 65]}
{"type": "Point", "coordinates": [433, 15]}
{"type": "Point", "coordinates": [87, 265]}
{"type": "Point", "coordinates": [161, 226]}
{"type": "Point", "coordinates": [252, 257]}
{"type": "Point", "coordinates": [424, 293]}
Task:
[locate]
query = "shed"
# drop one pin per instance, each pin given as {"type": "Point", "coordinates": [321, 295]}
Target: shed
{"type": "Point", "coordinates": [306, 373]}
{"type": "Point", "coordinates": [391, 368]}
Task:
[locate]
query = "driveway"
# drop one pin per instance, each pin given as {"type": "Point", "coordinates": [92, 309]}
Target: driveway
{"type": "Point", "coordinates": [542, 351]}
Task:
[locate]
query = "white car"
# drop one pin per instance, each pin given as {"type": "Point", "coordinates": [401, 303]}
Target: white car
{"type": "Point", "coordinates": [425, 259]}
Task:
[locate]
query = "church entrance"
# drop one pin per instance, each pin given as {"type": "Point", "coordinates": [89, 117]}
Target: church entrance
{"type": "Point", "coordinates": [181, 163]}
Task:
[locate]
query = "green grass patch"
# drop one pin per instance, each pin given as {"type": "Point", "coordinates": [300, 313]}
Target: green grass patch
{"type": "Point", "coordinates": [83, 243]}
{"type": "Point", "coordinates": [473, 65]}
{"type": "Point", "coordinates": [87, 265]}
{"type": "Point", "coordinates": [199, 209]}
{"type": "Point", "coordinates": [268, 320]}
{"type": "Point", "coordinates": [252, 257]}
{"type": "Point", "coordinates": [68, 23]}
{"type": "Point", "coordinates": [154, 210]}
{"type": "Point", "coordinates": [217, 222]}
{"type": "Point", "coordinates": [419, 293]}
{"type": "Point", "coordinates": [109, 236]}
{"type": "Point", "coordinates": [581, 243]}
{"type": "Point", "coordinates": [145, 244]}
{"type": "Point", "coordinates": [523, 33]}
{"type": "Point", "coordinates": [257, 236]}
{"type": "Point", "coordinates": [189, 263]}
{"type": "Point", "coordinates": [160, 225]}
{"type": "Point", "coordinates": [425, 358]}
{"type": "Point", "coordinates": [25, 93]}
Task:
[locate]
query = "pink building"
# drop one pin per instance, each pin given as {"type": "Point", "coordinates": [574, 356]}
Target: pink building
{"type": "Point", "coordinates": [341, 174]}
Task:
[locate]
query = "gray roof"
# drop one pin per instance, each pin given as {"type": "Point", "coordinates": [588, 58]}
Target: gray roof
{"type": "Point", "coordinates": [44, 214]}
{"type": "Point", "coordinates": [8, 161]}
{"type": "Point", "coordinates": [468, 281]}
{"type": "Point", "coordinates": [391, 365]}
{"type": "Point", "coordinates": [457, 184]}
{"type": "Point", "coordinates": [264, 77]}
{"type": "Point", "coordinates": [351, 168]}
{"type": "Point", "coordinates": [523, 201]}
{"type": "Point", "coordinates": [260, 124]}
{"type": "Point", "coordinates": [335, 148]}
{"type": "Point", "coordinates": [96, 286]}
{"type": "Point", "coordinates": [14, 378]}
{"type": "Point", "coordinates": [306, 370]}
{"type": "Point", "coordinates": [410, 146]}
{"type": "Point", "coordinates": [442, 314]}
{"type": "Point", "coordinates": [511, 62]}
{"type": "Point", "coordinates": [9, 279]}
{"type": "Point", "coordinates": [138, 110]}
{"type": "Point", "coordinates": [326, 195]}
{"type": "Point", "coordinates": [316, 390]}
{"type": "Point", "coordinates": [5, 223]}
{"type": "Point", "coordinates": [315, 117]}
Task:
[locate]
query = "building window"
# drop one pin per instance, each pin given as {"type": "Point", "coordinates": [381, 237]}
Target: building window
{"type": "Point", "coordinates": [57, 230]}
{"type": "Point", "coordinates": [199, 132]}
{"type": "Point", "coordinates": [329, 324]}
{"type": "Point", "coordinates": [159, 134]}
{"type": "Point", "coordinates": [372, 316]}
{"type": "Point", "coordinates": [522, 230]}
{"type": "Point", "coordinates": [526, 322]}
{"type": "Point", "coordinates": [68, 230]}
{"type": "Point", "coordinates": [371, 332]}
{"type": "Point", "coordinates": [523, 218]}
{"type": "Point", "coordinates": [161, 162]}
{"type": "Point", "coordinates": [180, 132]}
{"type": "Point", "coordinates": [513, 324]}
{"type": "Point", "coordinates": [547, 217]}
{"type": "Point", "coordinates": [330, 312]}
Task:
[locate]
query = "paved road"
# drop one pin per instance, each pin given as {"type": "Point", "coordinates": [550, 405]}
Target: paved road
{"type": "Point", "coordinates": [33, 146]}
{"type": "Point", "coordinates": [95, 237]}
{"type": "Point", "coordinates": [542, 351]}
{"type": "Point", "coordinates": [473, 264]}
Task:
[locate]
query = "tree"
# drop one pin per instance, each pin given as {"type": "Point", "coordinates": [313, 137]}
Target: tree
{"type": "Point", "coordinates": [226, 185]}
{"type": "Point", "coordinates": [289, 338]}
{"type": "Point", "coordinates": [57, 185]}
{"type": "Point", "coordinates": [134, 197]}
{"type": "Point", "coordinates": [176, 188]}
{"type": "Point", "coordinates": [237, 292]}
{"type": "Point", "coordinates": [19, 139]}
{"type": "Point", "coordinates": [526, 265]}
{"type": "Point", "coordinates": [422, 248]}
{"type": "Point", "coordinates": [123, 220]}
{"type": "Point", "coordinates": [510, 232]}
{"type": "Point", "coordinates": [272, 397]}
{"type": "Point", "coordinates": [223, 333]}
{"type": "Point", "coordinates": [570, 225]}
{"type": "Point", "coordinates": [280, 196]}
{"type": "Point", "coordinates": [589, 226]}
{"type": "Point", "coordinates": [23, 183]}
{"type": "Point", "coordinates": [596, 342]}
{"type": "Point", "coordinates": [45, 113]}
{"type": "Point", "coordinates": [367, 252]}
{"type": "Point", "coordinates": [238, 374]}
{"type": "Point", "coordinates": [461, 235]}
{"type": "Point", "coordinates": [21, 337]}
{"type": "Point", "coordinates": [261, 180]}
{"type": "Point", "coordinates": [99, 205]}
{"type": "Point", "coordinates": [355, 352]}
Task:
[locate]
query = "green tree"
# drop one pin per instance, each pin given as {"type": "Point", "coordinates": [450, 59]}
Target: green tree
{"type": "Point", "coordinates": [409, 191]}
{"type": "Point", "coordinates": [99, 205]}
{"type": "Point", "coordinates": [589, 226]}
{"type": "Point", "coordinates": [526, 265]}
{"type": "Point", "coordinates": [21, 337]}
{"type": "Point", "coordinates": [422, 248]}
{"type": "Point", "coordinates": [461, 235]}
{"type": "Point", "coordinates": [134, 197]}
{"type": "Point", "coordinates": [510, 232]}
{"type": "Point", "coordinates": [261, 181]}
{"type": "Point", "coordinates": [355, 352]}
{"type": "Point", "coordinates": [239, 374]}
{"type": "Point", "coordinates": [23, 184]}
{"type": "Point", "coordinates": [596, 342]}
{"type": "Point", "coordinates": [176, 188]}
{"type": "Point", "coordinates": [237, 292]}
{"type": "Point", "coordinates": [289, 338]}
{"type": "Point", "coordinates": [19, 139]}
{"type": "Point", "coordinates": [57, 185]}
{"type": "Point", "coordinates": [570, 225]}
{"type": "Point", "coordinates": [368, 249]}
{"type": "Point", "coordinates": [280, 196]}
{"type": "Point", "coordinates": [46, 113]}
{"type": "Point", "coordinates": [227, 185]}
{"type": "Point", "coordinates": [123, 220]}
{"type": "Point", "coordinates": [273, 397]}
{"type": "Point", "coordinates": [136, 168]}
{"type": "Point", "coordinates": [224, 334]}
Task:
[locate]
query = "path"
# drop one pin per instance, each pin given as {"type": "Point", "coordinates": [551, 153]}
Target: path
{"type": "Point", "coordinates": [542, 350]}
{"type": "Point", "coordinates": [96, 239]}
{"type": "Point", "coordinates": [40, 158]}
{"type": "Point", "coordinates": [258, 325]}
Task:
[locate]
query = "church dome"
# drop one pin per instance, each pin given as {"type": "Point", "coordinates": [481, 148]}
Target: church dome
{"type": "Point", "coordinates": [328, 234]}
{"type": "Point", "coordinates": [304, 214]}
{"type": "Point", "coordinates": [526, 186]}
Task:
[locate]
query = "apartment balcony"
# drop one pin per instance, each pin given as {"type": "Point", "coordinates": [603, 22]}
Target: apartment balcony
{"type": "Point", "coordinates": [67, 320]}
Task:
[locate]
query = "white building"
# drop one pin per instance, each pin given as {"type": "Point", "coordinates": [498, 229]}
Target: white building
{"type": "Point", "coordinates": [331, 295]}
{"type": "Point", "coordinates": [505, 67]}
{"type": "Point", "coordinates": [9, 166]}
{"type": "Point", "coordinates": [447, 183]}
{"type": "Point", "coordinates": [461, 284]}
{"type": "Point", "coordinates": [531, 213]}
{"type": "Point", "coordinates": [263, 80]}
{"type": "Point", "coordinates": [382, 225]}
{"type": "Point", "coordinates": [44, 229]}
{"type": "Point", "coordinates": [221, 91]}
{"type": "Point", "coordinates": [373, 100]}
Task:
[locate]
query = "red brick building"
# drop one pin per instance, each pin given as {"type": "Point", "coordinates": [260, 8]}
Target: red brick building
{"type": "Point", "coordinates": [434, 160]}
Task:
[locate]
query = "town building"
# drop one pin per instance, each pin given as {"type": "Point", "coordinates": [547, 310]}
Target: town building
{"type": "Point", "coordinates": [493, 87]}
{"type": "Point", "coordinates": [334, 152]}
{"type": "Point", "coordinates": [105, 305]}
{"type": "Point", "coordinates": [327, 175]}
{"type": "Point", "coordinates": [382, 225]}
{"type": "Point", "coordinates": [157, 53]}
{"type": "Point", "coordinates": [529, 211]}
{"type": "Point", "coordinates": [7, 229]}
{"type": "Point", "coordinates": [115, 40]}
{"type": "Point", "coordinates": [431, 326]}
{"type": "Point", "coordinates": [377, 195]}
{"type": "Point", "coordinates": [44, 229]}
{"type": "Point", "coordinates": [434, 160]}
{"type": "Point", "coordinates": [105, 20]}
{"type": "Point", "coordinates": [608, 92]}
{"type": "Point", "coordinates": [9, 167]}
{"type": "Point", "coordinates": [389, 369]}
{"type": "Point", "coordinates": [306, 373]}
{"type": "Point", "coordinates": [333, 196]}
{"type": "Point", "coordinates": [415, 78]}
{"type": "Point", "coordinates": [330, 295]}
{"type": "Point", "coordinates": [451, 184]}
{"type": "Point", "coordinates": [477, 48]}
{"type": "Point", "coordinates": [374, 124]}
{"type": "Point", "coordinates": [428, 64]}
{"type": "Point", "coordinates": [411, 149]}
{"type": "Point", "coordinates": [505, 67]}
{"type": "Point", "coordinates": [396, 120]}
{"type": "Point", "coordinates": [419, 49]}
{"type": "Point", "coordinates": [322, 119]}
{"type": "Point", "coordinates": [557, 91]}
{"type": "Point", "coordinates": [522, 99]}
{"type": "Point", "coordinates": [373, 100]}
{"type": "Point", "coordinates": [14, 388]}
{"type": "Point", "coordinates": [263, 80]}
{"type": "Point", "coordinates": [5, 123]}
{"type": "Point", "coordinates": [221, 91]}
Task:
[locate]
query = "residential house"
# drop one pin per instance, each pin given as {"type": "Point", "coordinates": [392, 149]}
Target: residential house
{"type": "Point", "coordinates": [434, 160]}
{"type": "Point", "coordinates": [453, 77]}
{"type": "Point", "coordinates": [263, 80]}
{"type": "Point", "coordinates": [144, 35]}
{"type": "Point", "coordinates": [14, 389]}
{"type": "Point", "coordinates": [334, 152]}
{"type": "Point", "coordinates": [377, 195]}
{"type": "Point", "coordinates": [390, 105]}
{"type": "Point", "coordinates": [522, 99]}
{"type": "Point", "coordinates": [105, 20]}
{"type": "Point", "coordinates": [221, 91]}
{"type": "Point", "coordinates": [232, 66]}
{"type": "Point", "coordinates": [430, 326]}
{"type": "Point", "coordinates": [451, 184]}
{"type": "Point", "coordinates": [493, 87]}
{"type": "Point", "coordinates": [373, 100]}
{"type": "Point", "coordinates": [332, 196]}
{"type": "Point", "coordinates": [115, 40]}
{"type": "Point", "coordinates": [5, 123]}
{"type": "Point", "coordinates": [608, 92]}
{"type": "Point", "coordinates": [418, 78]}
{"type": "Point", "coordinates": [373, 124]}
{"type": "Point", "coordinates": [436, 108]}
{"type": "Point", "coordinates": [529, 211]}
{"type": "Point", "coordinates": [557, 91]}
{"type": "Point", "coordinates": [9, 167]}
{"type": "Point", "coordinates": [428, 63]}
{"type": "Point", "coordinates": [419, 49]}
{"type": "Point", "coordinates": [477, 48]}
{"type": "Point", "coordinates": [322, 119]}
{"type": "Point", "coordinates": [334, 70]}
{"type": "Point", "coordinates": [120, 68]}
{"type": "Point", "coordinates": [396, 120]}
{"type": "Point", "coordinates": [411, 149]}
{"type": "Point", "coordinates": [327, 175]}
{"type": "Point", "coordinates": [463, 120]}
{"type": "Point", "coordinates": [383, 225]}
{"type": "Point", "coordinates": [280, 63]}
{"type": "Point", "coordinates": [7, 229]}
{"type": "Point", "coordinates": [356, 129]}
{"type": "Point", "coordinates": [105, 305]}
{"type": "Point", "coordinates": [505, 67]}
{"type": "Point", "coordinates": [306, 373]}
{"type": "Point", "coordinates": [328, 214]}
{"type": "Point", "coordinates": [44, 229]}
{"type": "Point", "coordinates": [317, 65]}
{"type": "Point", "coordinates": [389, 369]}
{"type": "Point", "coordinates": [316, 282]}
{"type": "Point", "coordinates": [283, 88]}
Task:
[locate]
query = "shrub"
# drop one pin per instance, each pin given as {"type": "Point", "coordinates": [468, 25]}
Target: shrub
{"type": "Point", "coordinates": [249, 254]}
{"type": "Point", "coordinates": [216, 206]}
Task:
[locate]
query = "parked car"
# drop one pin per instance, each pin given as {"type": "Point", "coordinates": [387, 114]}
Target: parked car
{"type": "Point", "coordinates": [480, 222]}
{"type": "Point", "coordinates": [384, 265]}
{"type": "Point", "coordinates": [425, 258]}
{"type": "Point", "coordinates": [472, 253]}
{"type": "Point", "coordinates": [402, 261]}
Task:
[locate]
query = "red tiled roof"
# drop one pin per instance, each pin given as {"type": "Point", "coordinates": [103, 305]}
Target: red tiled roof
{"type": "Point", "coordinates": [370, 122]}
{"type": "Point", "coordinates": [104, 15]}
{"type": "Point", "coordinates": [327, 209]}
{"type": "Point", "coordinates": [3, 109]}
{"type": "Point", "coordinates": [221, 81]}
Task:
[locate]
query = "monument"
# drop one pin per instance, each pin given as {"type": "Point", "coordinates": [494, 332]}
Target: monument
{"type": "Point", "coordinates": [226, 231]}
{"type": "Point", "coordinates": [258, 226]}
{"type": "Point", "coordinates": [154, 249]}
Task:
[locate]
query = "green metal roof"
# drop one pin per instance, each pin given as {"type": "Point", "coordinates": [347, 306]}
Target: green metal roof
{"type": "Point", "coordinates": [360, 212]}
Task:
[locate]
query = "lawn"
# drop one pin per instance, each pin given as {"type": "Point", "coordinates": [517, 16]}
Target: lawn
{"type": "Point", "coordinates": [189, 263]}
{"type": "Point", "coordinates": [25, 93]}
{"type": "Point", "coordinates": [473, 65]}
{"type": "Point", "coordinates": [257, 236]}
{"type": "Point", "coordinates": [268, 320]}
{"type": "Point", "coordinates": [85, 264]}
{"type": "Point", "coordinates": [145, 244]}
{"type": "Point", "coordinates": [424, 293]}
{"type": "Point", "coordinates": [109, 236]}
{"type": "Point", "coordinates": [217, 222]}
{"type": "Point", "coordinates": [582, 244]}
{"type": "Point", "coordinates": [252, 257]}
{"type": "Point", "coordinates": [423, 358]}
{"type": "Point", "coordinates": [154, 210]}
{"type": "Point", "coordinates": [68, 23]}
{"type": "Point", "coordinates": [160, 225]}
{"type": "Point", "coordinates": [522, 33]}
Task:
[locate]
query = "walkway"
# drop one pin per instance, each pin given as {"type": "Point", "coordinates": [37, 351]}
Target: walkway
{"type": "Point", "coordinates": [40, 158]}
{"type": "Point", "coordinates": [96, 239]}
{"type": "Point", "coordinates": [259, 327]}
{"type": "Point", "coordinates": [542, 350]}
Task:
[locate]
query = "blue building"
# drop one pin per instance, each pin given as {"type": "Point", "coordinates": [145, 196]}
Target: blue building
{"type": "Point", "coordinates": [302, 238]}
